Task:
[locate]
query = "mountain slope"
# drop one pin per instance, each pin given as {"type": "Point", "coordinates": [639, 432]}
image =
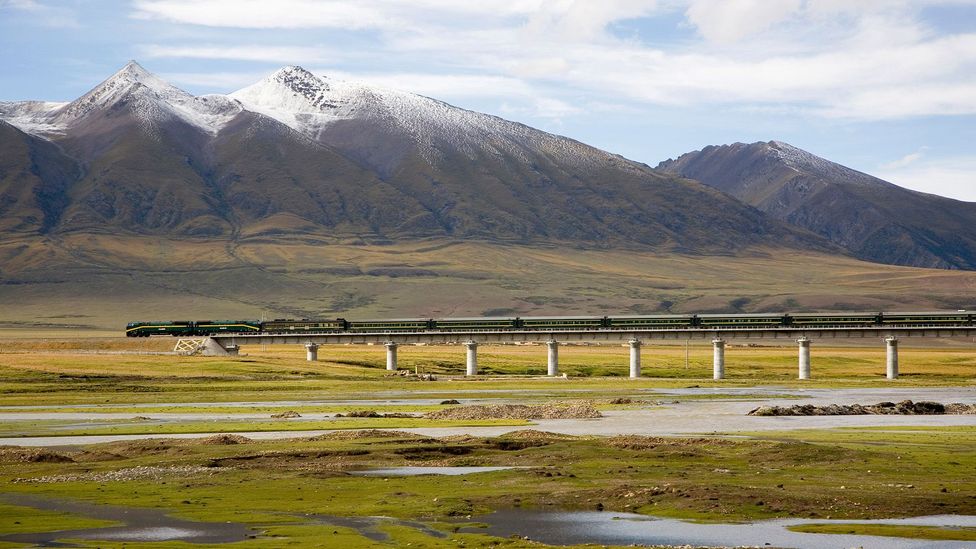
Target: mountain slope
{"type": "Point", "coordinates": [873, 219]}
{"type": "Point", "coordinates": [303, 156]}
{"type": "Point", "coordinates": [34, 176]}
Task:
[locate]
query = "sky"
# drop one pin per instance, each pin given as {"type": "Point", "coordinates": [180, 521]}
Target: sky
{"type": "Point", "coordinates": [887, 87]}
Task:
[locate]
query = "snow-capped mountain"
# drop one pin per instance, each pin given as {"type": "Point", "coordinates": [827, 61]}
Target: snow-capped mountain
{"type": "Point", "coordinates": [298, 154]}
{"type": "Point", "coordinates": [311, 104]}
{"type": "Point", "coordinates": [152, 99]}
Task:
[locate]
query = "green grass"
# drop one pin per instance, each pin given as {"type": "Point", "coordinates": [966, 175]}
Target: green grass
{"type": "Point", "coordinates": [63, 428]}
{"type": "Point", "coordinates": [15, 519]}
{"type": "Point", "coordinates": [892, 530]}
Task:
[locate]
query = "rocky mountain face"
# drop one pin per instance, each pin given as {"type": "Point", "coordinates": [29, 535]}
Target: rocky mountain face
{"type": "Point", "coordinates": [297, 154]}
{"type": "Point", "coordinates": [873, 219]}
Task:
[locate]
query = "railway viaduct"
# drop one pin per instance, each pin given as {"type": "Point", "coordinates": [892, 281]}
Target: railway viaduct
{"type": "Point", "coordinates": [804, 337]}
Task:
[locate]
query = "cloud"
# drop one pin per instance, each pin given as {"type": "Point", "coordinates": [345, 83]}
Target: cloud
{"type": "Point", "coordinates": [47, 15]}
{"type": "Point", "coordinates": [260, 14]}
{"type": "Point", "coordinates": [214, 82]}
{"type": "Point", "coordinates": [903, 162]}
{"type": "Point", "coordinates": [865, 60]}
{"type": "Point", "coordinates": [954, 177]}
{"type": "Point", "coordinates": [276, 54]}
{"type": "Point", "coordinates": [440, 85]}
{"type": "Point", "coordinates": [727, 21]}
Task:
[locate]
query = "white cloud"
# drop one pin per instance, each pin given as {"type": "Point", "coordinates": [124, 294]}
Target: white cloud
{"type": "Point", "coordinates": [214, 82]}
{"type": "Point", "coordinates": [47, 15]}
{"type": "Point", "coordinates": [725, 21]}
{"type": "Point", "coordinates": [903, 162]}
{"type": "Point", "coordinates": [864, 60]}
{"type": "Point", "coordinates": [278, 54]}
{"type": "Point", "coordinates": [260, 14]}
{"type": "Point", "coordinates": [441, 85]}
{"type": "Point", "coordinates": [952, 177]}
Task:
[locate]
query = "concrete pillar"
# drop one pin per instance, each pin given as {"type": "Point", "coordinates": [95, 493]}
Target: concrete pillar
{"type": "Point", "coordinates": [635, 366]}
{"type": "Point", "coordinates": [718, 359]}
{"type": "Point", "coordinates": [312, 352]}
{"type": "Point", "coordinates": [233, 350]}
{"type": "Point", "coordinates": [391, 356]}
{"type": "Point", "coordinates": [472, 365]}
{"type": "Point", "coordinates": [804, 357]}
{"type": "Point", "coordinates": [553, 362]}
{"type": "Point", "coordinates": [892, 363]}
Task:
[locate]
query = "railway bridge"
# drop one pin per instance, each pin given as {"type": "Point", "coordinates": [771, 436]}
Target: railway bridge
{"type": "Point", "coordinates": [804, 337]}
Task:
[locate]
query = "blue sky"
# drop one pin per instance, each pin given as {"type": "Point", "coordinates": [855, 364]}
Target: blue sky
{"type": "Point", "coordinates": [884, 86]}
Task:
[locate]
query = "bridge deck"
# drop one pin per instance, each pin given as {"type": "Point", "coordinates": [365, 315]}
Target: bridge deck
{"type": "Point", "coordinates": [597, 335]}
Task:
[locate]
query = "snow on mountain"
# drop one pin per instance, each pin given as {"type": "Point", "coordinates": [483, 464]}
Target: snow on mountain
{"type": "Point", "coordinates": [803, 161]}
{"type": "Point", "coordinates": [311, 104]}
{"type": "Point", "coordinates": [149, 97]}
{"type": "Point", "coordinates": [31, 116]}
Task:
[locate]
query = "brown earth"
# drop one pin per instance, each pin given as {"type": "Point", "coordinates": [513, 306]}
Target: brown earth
{"type": "Point", "coordinates": [904, 408]}
{"type": "Point", "coordinates": [576, 410]}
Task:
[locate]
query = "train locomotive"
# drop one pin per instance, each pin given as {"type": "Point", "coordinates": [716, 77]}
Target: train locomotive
{"type": "Point", "coordinates": [190, 328]}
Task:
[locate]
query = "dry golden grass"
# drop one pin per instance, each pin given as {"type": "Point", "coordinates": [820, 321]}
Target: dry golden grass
{"type": "Point", "coordinates": [100, 282]}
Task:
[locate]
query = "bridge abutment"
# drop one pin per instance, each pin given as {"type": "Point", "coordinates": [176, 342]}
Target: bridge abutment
{"type": "Point", "coordinates": [635, 358]}
{"type": "Point", "coordinates": [804, 344]}
{"type": "Point", "coordinates": [718, 358]}
{"type": "Point", "coordinates": [552, 363]}
{"type": "Point", "coordinates": [891, 370]}
{"type": "Point", "coordinates": [471, 368]}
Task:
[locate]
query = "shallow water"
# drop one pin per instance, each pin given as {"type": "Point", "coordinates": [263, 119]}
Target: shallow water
{"type": "Point", "coordinates": [579, 527]}
{"type": "Point", "coordinates": [139, 524]}
{"type": "Point", "coordinates": [417, 471]}
{"type": "Point", "coordinates": [688, 417]}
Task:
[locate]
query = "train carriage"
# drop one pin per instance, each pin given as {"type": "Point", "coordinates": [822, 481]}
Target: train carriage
{"type": "Point", "coordinates": [303, 326]}
{"type": "Point", "coordinates": [740, 321]}
{"type": "Point", "coordinates": [561, 322]}
{"type": "Point", "coordinates": [216, 327]}
{"type": "Point", "coordinates": [475, 323]}
{"type": "Point", "coordinates": [397, 325]}
{"type": "Point", "coordinates": [651, 321]}
{"type": "Point", "coordinates": [927, 319]}
{"type": "Point", "coordinates": [825, 320]}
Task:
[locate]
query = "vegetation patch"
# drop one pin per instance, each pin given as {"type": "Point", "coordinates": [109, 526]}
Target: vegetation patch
{"type": "Point", "coordinates": [890, 530]}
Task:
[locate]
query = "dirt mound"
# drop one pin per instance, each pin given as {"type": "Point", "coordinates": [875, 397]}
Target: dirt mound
{"type": "Point", "coordinates": [639, 442]}
{"type": "Point", "coordinates": [957, 408]}
{"type": "Point", "coordinates": [574, 410]}
{"type": "Point", "coordinates": [364, 433]}
{"type": "Point", "coordinates": [450, 402]}
{"type": "Point", "coordinates": [286, 415]}
{"type": "Point", "coordinates": [32, 455]}
{"type": "Point", "coordinates": [223, 440]}
{"type": "Point", "coordinates": [374, 413]}
{"type": "Point", "coordinates": [461, 439]}
{"type": "Point", "coordinates": [532, 434]}
{"type": "Point", "coordinates": [903, 408]}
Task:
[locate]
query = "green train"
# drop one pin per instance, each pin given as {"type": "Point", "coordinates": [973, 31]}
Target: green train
{"type": "Point", "coordinates": [191, 328]}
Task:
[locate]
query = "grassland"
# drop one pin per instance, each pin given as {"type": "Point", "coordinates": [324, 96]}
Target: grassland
{"type": "Point", "coordinates": [276, 486]}
{"type": "Point", "coordinates": [97, 282]}
{"type": "Point", "coordinates": [703, 479]}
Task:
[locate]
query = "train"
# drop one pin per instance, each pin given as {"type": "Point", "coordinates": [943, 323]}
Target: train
{"type": "Point", "coordinates": [191, 328]}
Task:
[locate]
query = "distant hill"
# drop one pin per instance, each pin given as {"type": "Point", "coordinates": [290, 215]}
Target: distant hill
{"type": "Point", "coordinates": [874, 219]}
{"type": "Point", "coordinates": [298, 155]}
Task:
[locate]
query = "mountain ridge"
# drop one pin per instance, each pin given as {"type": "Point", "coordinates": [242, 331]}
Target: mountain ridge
{"type": "Point", "coordinates": [298, 154]}
{"type": "Point", "coordinates": [873, 219]}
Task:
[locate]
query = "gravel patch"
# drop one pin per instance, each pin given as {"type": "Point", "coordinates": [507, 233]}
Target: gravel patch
{"type": "Point", "coordinates": [572, 410]}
